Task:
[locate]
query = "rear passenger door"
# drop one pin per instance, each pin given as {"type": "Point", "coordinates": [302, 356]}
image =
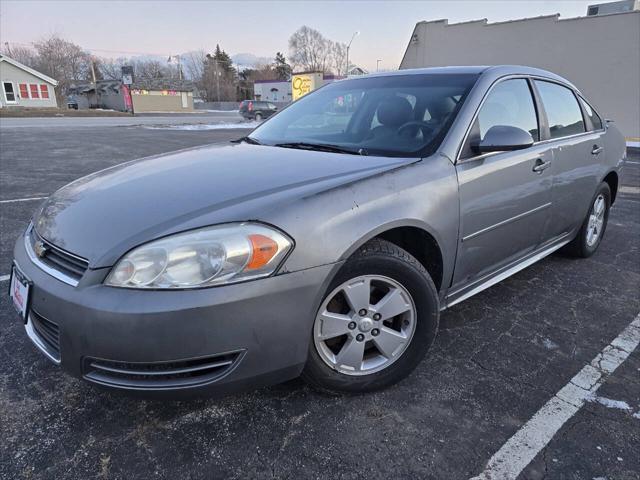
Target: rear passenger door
{"type": "Point", "coordinates": [575, 139]}
{"type": "Point", "coordinates": [505, 197]}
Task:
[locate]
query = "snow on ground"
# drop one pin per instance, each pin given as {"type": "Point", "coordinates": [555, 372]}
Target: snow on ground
{"type": "Point", "coordinates": [206, 126]}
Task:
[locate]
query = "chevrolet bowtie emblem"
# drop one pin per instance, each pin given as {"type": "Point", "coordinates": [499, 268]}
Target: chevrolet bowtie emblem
{"type": "Point", "coordinates": [40, 249]}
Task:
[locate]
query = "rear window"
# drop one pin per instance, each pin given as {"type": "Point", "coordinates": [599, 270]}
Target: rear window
{"type": "Point", "coordinates": [563, 112]}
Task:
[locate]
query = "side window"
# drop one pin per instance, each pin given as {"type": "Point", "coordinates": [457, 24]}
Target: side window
{"type": "Point", "coordinates": [508, 103]}
{"type": "Point", "coordinates": [596, 121]}
{"type": "Point", "coordinates": [563, 111]}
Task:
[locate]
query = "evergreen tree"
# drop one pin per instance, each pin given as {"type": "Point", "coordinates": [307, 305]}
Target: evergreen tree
{"type": "Point", "coordinates": [281, 67]}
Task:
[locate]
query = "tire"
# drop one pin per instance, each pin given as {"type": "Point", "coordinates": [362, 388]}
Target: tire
{"type": "Point", "coordinates": [258, 117]}
{"type": "Point", "coordinates": [384, 265]}
{"type": "Point", "coordinates": [584, 245]}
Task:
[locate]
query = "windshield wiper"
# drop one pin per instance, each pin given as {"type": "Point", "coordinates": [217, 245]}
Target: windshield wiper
{"type": "Point", "coordinates": [249, 140]}
{"type": "Point", "coordinates": [322, 147]}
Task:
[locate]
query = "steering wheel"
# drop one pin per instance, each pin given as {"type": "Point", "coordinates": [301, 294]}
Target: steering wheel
{"type": "Point", "coordinates": [416, 123]}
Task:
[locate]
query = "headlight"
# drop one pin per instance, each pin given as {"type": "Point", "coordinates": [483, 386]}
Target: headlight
{"type": "Point", "coordinates": [204, 257]}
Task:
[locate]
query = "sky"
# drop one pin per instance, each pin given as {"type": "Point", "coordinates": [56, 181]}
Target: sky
{"type": "Point", "coordinates": [128, 28]}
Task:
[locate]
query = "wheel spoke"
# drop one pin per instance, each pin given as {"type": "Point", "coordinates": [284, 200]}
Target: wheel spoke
{"type": "Point", "coordinates": [389, 341]}
{"type": "Point", "coordinates": [333, 324]}
{"type": "Point", "coordinates": [358, 294]}
{"type": "Point", "coordinates": [351, 355]}
{"type": "Point", "coordinates": [392, 304]}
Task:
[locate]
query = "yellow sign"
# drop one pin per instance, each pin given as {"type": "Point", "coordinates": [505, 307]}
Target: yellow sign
{"type": "Point", "coordinates": [304, 83]}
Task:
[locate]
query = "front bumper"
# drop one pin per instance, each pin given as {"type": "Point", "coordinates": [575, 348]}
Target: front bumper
{"type": "Point", "coordinates": [177, 343]}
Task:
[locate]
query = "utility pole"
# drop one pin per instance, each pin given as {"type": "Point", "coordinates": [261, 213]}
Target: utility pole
{"type": "Point", "coordinates": [346, 73]}
{"type": "Point", "coordinates": [95, 83]}
{"type": "Point", "coordinates": [378, 65]}
{"type": "Point", "coordinates": [217, 81]}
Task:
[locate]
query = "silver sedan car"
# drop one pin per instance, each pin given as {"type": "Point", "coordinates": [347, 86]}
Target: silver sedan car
{"type": "Point", "coordinates": [324, 244]}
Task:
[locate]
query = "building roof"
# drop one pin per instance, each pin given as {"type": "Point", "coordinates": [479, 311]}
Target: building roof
{"type": "Point", "coordinates": [271, 81]}
{"type": "Point", "coordinates": [35, 73]}
{"type": "Point", "coordinates": [163, 84]}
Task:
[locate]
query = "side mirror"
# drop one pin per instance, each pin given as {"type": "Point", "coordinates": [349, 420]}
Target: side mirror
{"type": "Point", "coordinates": [503, 138]}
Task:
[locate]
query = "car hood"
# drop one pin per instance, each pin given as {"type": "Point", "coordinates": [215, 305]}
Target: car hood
{"type": "Point", "coordinates": [103, 215]}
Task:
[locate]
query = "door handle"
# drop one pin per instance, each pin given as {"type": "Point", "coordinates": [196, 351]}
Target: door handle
{"type": "Point", "coordinates": [596, 150]}
{"type": "Point", "coordinates": [541, 165]}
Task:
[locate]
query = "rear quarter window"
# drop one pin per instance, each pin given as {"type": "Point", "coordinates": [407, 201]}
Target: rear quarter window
{"type": "Point", "coordinates": [596, 121]}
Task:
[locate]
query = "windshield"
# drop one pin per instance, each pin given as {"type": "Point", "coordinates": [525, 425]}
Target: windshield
{"type": "Point", "coordinates": [399, 115]}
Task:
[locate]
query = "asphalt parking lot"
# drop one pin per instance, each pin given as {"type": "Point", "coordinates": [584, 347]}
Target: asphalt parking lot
{"type": "Point", "coordinates": [499, 358]}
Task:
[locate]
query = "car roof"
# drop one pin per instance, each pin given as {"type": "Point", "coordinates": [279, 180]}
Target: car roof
{"type": "Point", "coordinates": [494, 71]}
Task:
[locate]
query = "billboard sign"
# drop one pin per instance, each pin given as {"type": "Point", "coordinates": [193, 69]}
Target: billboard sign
{"type": "Point", "coordinates": [127, 74]}
{"type": "Point", "coordinates": [303, 83]}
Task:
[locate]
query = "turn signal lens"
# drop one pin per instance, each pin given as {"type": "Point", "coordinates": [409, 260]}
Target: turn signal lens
{"type": "Point", "coordinates": [264, 249]}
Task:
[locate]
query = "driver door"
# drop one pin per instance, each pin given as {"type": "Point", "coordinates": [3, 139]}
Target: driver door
{"type": "Point", "coordinates": [505, 197]}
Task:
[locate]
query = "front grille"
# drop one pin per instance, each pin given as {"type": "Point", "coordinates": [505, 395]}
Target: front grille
{"type": "Point", "coordinates": [57, 259]}
{"type": "Point", "coordinates": [47, 333]}
{"type": "Point", "coordinates": [159, 375]}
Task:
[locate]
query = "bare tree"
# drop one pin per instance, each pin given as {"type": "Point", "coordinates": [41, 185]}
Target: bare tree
{"type": "Point", "coordinates": [311, 51]}
{"type": "Point", "coordinates": [63, 60]}
{"type": "Point", "coordinates": [25, 55]}
{"type": "Point", "coordinates": [111, 69]}
{"type": "Point", "coordinates": [338, 56]}
{"type": "Point", "coordinates": [193, 64]}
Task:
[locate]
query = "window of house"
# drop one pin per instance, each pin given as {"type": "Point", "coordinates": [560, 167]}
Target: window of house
{"type": "Point", "coordinates": [563, 112]}
{"type": "Point", "coordinates": [33, 88]}
{"type": "Point", "coordinates": [24, 90]}
{"type": "Point", "coordinates": [9, 92]}
{"type": "Point", "coordinates": [44, 90]}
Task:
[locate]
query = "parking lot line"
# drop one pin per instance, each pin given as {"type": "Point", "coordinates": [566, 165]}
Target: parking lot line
{"type": "Point", "coordinates": [4, 278]}
{"type": "Point", "coordinates": [28, 199]}
{"type": "Point", "coordinates": [522, 448]}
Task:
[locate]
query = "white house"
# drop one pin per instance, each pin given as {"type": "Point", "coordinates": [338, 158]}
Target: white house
{"type": "Point", "coordinates": [272, 90]}
{"type": "Point", "coordinates": [23, 86]}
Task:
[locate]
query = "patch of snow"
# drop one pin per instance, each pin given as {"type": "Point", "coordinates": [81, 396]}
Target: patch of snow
{"type": "Point", "coordinates": [549, 344]}
{"type": "Point", "coordinates": [205, 126]}
{"type": "Point", "coordinates": [636, 415]}
{"type": "Point", "coordinates": [610, 403]}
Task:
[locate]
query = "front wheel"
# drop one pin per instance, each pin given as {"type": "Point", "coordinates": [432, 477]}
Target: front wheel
{"type": "Point", "coordinates": [258, 117]}
{"type": "Point", "coordinates": [377, 321]}
{"type": "Point", "coordinates": [592, 230]}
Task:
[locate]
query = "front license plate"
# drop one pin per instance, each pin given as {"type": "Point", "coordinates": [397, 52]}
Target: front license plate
{"type": "Point", "coordinates": [19, 291]}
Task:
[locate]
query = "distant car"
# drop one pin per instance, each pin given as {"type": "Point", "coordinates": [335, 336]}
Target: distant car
{"type": "Point", "coordinates": [72, 103]}
{"type": "Point", "coordinates": [256, 110]}
{"type": "Point", "coordinates": [325, 243]}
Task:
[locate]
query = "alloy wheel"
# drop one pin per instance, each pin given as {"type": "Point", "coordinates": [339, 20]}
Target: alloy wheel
{"type": "Point", "coordinates": [596, 220]}
{"type": "Point", "coordinates": [364, 325]}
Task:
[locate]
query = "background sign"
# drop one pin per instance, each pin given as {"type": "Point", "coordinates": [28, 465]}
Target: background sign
{"type": "Point", "coordinates": [304, 83]}
{"type": "Point", "coordinates": [127, 75]}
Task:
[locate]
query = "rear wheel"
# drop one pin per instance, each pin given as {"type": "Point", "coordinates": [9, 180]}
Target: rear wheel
{"type": "Point", "coordinates": [258, 117]}
{"type": "Point", "coordinates": [592, 230]}
{"type": "Point", "coordinates": [376, 322]}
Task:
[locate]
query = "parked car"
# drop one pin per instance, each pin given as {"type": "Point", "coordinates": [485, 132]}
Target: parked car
{"type": "Point", "coordinates": [256, 110]}
{"type": "Point", "coordinates": [72, 103]}
{"type": "Point", "coordinates": [317, 246]}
